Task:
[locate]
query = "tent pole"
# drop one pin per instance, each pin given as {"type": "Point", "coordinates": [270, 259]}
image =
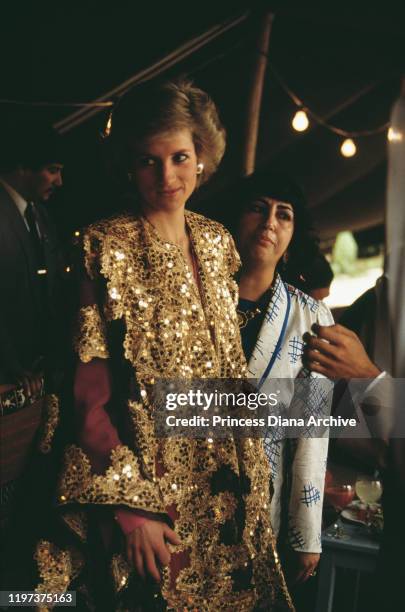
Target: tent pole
{"type": "Point", "coordinates": [173, 58]}
{"type": "Point", "coordinates": [255, 94]}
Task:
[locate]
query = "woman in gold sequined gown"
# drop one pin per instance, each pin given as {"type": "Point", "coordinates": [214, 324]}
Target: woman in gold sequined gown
{"type": "Point", "coordinates": [158, 300]}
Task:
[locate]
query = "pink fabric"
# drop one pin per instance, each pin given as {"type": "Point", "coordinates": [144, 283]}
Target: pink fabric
{"type": "Point", "coordinates": [87, 293]}
{"type": "Point", "coordinates": [97, 435]}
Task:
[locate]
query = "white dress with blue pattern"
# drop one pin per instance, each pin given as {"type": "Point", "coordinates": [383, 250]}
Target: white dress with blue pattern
{"type": "Point", "coordinates": [296, 312]}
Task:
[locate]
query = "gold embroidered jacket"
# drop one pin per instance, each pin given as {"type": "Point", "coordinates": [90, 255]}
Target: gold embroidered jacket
{"type": "Point", "coordinates": [173, 330]}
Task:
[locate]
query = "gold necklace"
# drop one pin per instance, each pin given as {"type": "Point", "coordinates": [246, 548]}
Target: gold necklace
{"type": "Point", "coordinates": [244, 316]}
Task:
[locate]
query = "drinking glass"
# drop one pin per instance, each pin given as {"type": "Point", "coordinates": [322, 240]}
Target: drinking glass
{"type": "Point", "coordinates": [369, 491]}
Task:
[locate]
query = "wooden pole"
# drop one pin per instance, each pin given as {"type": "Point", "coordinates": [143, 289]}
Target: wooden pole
{"type": "Point", "coordinates": [173, 58]}
{"type": "Point", "coordinates": [255, 94]}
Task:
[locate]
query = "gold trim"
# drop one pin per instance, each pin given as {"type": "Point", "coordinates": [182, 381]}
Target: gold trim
{"type": "Point", "coordinates": [170, 324]}
{"type": "Point", "coordinates": [121, 571]}
{"type": "Point", "coordinates": [121, 484]}
{"type": "Point", "coordinates": [90, 339]}
{"type": "Point", "coordinates": [50, 421]}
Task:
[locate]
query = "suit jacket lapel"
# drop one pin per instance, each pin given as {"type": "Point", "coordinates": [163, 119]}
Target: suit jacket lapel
{"type": "Point", "coordinates": [17, 226]}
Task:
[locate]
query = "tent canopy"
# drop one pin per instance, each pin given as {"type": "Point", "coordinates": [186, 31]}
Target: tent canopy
{"type": "Point", "coordinates": [345, 64]}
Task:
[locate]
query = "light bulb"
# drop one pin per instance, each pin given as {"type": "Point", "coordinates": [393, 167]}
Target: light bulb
{"type": "Point", "coordinates": [348, 148]}
{"type": "Point", "coordinates": [300, 121]}
{"type": "Point", "coordinates": [393, 135]}
{"type": "Point", "coordinates": [107, 129]}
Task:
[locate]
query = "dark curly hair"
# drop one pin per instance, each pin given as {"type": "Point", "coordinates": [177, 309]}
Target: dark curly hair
{"type": "Point", "coordinates": [30, 144]}
{"type": "Point", "coordinates": [279, 186]}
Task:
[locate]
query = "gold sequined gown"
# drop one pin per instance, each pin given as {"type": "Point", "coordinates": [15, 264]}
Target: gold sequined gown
{"type": "Point", "coordinates": [216, 492]}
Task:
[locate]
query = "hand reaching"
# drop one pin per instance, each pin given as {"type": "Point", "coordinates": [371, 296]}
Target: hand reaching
{"type": "Point", "coordinates": [341, 356]}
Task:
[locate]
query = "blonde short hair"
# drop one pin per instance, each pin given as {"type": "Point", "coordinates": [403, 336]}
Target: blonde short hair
{"type": "Point", "coordinates": [171, 106]}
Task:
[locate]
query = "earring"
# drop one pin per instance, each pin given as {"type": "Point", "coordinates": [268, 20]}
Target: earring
{"type": "Point", "coordinates": [200, 168]}
{"type": "Point", "coordinates": [130, 176]}
{"type": "Point", "coordinates": [285, 257]}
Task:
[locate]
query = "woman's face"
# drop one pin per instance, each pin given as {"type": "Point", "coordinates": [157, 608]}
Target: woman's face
{"type": "Point", "coordinates": [165, 170]}
{"type": "Point", "coordinates": [265, 231]}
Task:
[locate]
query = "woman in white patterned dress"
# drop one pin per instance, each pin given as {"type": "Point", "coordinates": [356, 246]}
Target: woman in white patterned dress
{"type": "Point", "coordinates": [274, 316]}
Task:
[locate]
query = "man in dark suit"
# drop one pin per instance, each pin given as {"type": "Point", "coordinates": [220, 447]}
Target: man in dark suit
{"type": "Point", "coordinates": [30, 264]}
{"type": "Point", "coordinates": [31, 295]}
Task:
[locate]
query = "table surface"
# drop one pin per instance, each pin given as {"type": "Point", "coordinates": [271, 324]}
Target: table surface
{"type": "Point", "coordinates": [359, 540]}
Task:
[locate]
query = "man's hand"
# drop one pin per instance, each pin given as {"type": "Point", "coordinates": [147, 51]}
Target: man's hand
{"type": "Point", "coordinates": [341, 356]}
{"type": "Point", "coordinates": [303, 566]}
{"type": "Point", "coordinates": [147, 548]}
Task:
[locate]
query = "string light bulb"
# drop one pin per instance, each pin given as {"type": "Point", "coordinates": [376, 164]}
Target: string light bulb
{"type": "Point", "coordinates": [348, 148]}
{"type": "Point", "coordinates": [108, 126]}
{"type": "Point", "coordinates": [300, 121]}
{"type": "Point", "coordinates": [393, 135]}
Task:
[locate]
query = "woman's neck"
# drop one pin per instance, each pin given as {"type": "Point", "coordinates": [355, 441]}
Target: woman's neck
{"type": "Point", "coordinates": [255, 281]}
{"type": "Point", "coordinates": [170, 226]}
